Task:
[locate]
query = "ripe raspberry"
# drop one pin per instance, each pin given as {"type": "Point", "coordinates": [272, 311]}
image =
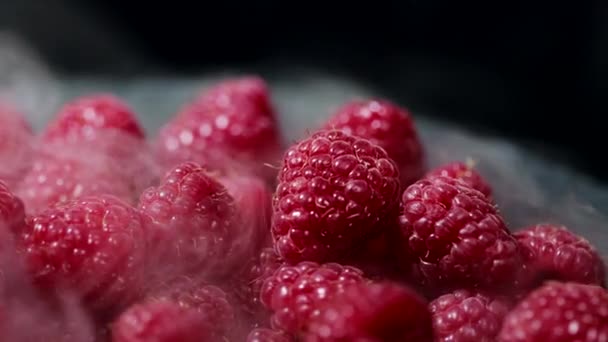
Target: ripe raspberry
{"type": "Point", "coordinates": [335, 192]}
{"type": "Point", "coordinates": [231, 127]}
{"type": "Point", "coordinates": [553, 252]}
{"type": "Point", "coordinates": [379, 312]}
{"type": "Point", "coordinates": [294, 293]}
{"type": "Point", "coordinates": [559, 312]}
{"type": "Point", "coordinates": [456, 237]}
{"type": "Point", "coordinates": [93, 246]}
{"type": "Point", "coordinates": [177, 312]}
{"type": "Point", "coordinates": [194, 220]}
{"type": "Point", "coordinates": [388, 126]}
{"type": "Point", "coordinates": [464, 172]}
{"type": "Point", "coordinates": [61, 173]}
{"type": "Point", "coordinates": [84, 117]}
{"type": "Point", "coordinates": [268, 335]}
{"type": "Point", "coordinates": [12, 212]}
{"type": "Point", "coordinates": [463, 316]}
{"type": "Point", "coordinates": [16, 145]}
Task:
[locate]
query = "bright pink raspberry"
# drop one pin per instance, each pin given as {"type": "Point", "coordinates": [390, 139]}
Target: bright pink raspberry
{"type": "Point", "coordinates": [12, 212]}
{"type": "Point", "coordinates": [456, 238]}
{"type": "Point", "coordinates": [559, 312]}
{"type": "Point", "coordinates": [462, 316]}
{"type": "Point", "coordinates": [16, 145]}
{"type": "Point", "coordinates": [268, 335]}
{"type": "Point", "coordinates": [194, 222]}
{"type": "Point", "coordinates": [294, 293]}
{"type": "Point", "coordinates": [554, 252]}
{"type": "Point", "coordinates": [464, 172]}
{"type": "Point", "coordinates": [93, 246]}
{"type": "Point", "coordinates": [335, 192]}
{"type": "Point", "coordinates": [230, 128]}
{"type": "Point", "coordinates": [378, 312]}
{"type": "Point", "coordinates": [84, 117]}
{"type": "Point", "coordinates": [388, 126]}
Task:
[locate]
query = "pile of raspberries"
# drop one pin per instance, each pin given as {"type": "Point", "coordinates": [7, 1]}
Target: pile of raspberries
{"type": "Point", "coordinates": [213, 230]}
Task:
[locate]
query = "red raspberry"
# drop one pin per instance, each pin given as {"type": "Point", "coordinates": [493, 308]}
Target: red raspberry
{"type": "Point", "coordinates": [268, 335]}
{"type": "Point", "coordinates": [294, 293]}
{"type": "Point", "coordinates": [86, 116]}
{"type": "Point", "coordinates": [559, 312]}
{"type": "Point", "coordinates": [463, 316]}
{"type": "Point", "coordinates": [194, 220]}
{"type": "Point", "coordinates": [335, 192]}
{"type": "Point", "coordinates": [232, 127]}
{"type": "Point", "coordinates": [464, 172]}
{"type": "Point", "coordinates": [379, 312]}
{"type": "Point", "coordinates": [12, 212]}
{"type": "Point", "coordinates": [16, 145]}
{"type": "Point", "coordinates": [456, 237]}
{"type": "Point", "coordinates": [61, 173]}
{"type": "Point", "coordinates": [94, 246]}
{"type": "Point", "coordinates": [203, 307]}
{"type": "Point", "coordinates": [553, 252]}
{"type": "Point", "coordinates": [388, 126]}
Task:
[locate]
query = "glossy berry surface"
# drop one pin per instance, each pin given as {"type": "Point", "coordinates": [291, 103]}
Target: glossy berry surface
{"type": "Point", "coordinates": [559, 312]}
{"type": "Point", "coordinates": [387, 125]}
{"type": "Point", "coordinates": [335, 191]}
{"type": "Point", "coordinates": [379, 312]}
{"type": "Point", "coordinates": [554, 252]}
{"type": "Point", "coordinates": [268, 335]}
{"type": "Point", "coordinates": [94, 246]}
{"type": "Point", "coordinates": [456, 237]}
{"type": "Point", "coordinates": [12, 212]}
{"type": "Point", "coordinates": [466, 173]}
{"type": "Point", "coordinates": [294, 293]}
{"type": "Point", "coordinates": [84, 117]}
{"type": "Point", "coordinates": [463, 316]}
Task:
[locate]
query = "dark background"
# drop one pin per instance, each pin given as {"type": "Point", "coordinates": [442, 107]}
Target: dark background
{"type": "Point", "coordinates": [535, 72]}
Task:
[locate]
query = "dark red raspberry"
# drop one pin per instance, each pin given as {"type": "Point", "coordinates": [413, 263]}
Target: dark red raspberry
{"type": "Point", "coordinates": [16, 145]}
{"type": "Point", "coordinates": [335, 192]}
{"type": "Point", "coordinates": [230, 128]}
{"type": "Point", "coordinates": [380, 312]}
{"type": "Point", "coordinates": [61, 173]}
{"type": "Point", "coordinates": [463, 316]}
{"type": "Point", "coordinates": [194, 223]}
{"type": "Point", "coordinates": [554, 252]}
{"type": "Point", "coordinates": [388, 126]}
{"type": "Point", "coordinates": [294, 293]}
{"type": "Point", "coordinates": [85, 116]}
{"type": "Point", "coordinates": [94, 246]}
{"type": "Point", "coordinates": [559, 312]}
{"type": "Point", "coordinates": [268, 335]}
{"type": "Point", "coordinates": [12, 212]}
{"type": "Point", "coordinates": [466, 173]}
{"type": "Point", "coordinates": [456, 237]}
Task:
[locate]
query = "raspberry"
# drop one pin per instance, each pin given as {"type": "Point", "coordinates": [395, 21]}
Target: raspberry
{"type": "Point", "coordinates": [201, 306]}
{"type": "Point", "coordinates": [84, 117]}
{"type": "Point", "coordinates": [268, 335]}
{"type": "Point", "coordinates": [194, 220]}
{"type": "Point", "coordinates": [335, 192]}
{"type": "Point", "coordinates": [294, 293]}
{"type": "Point", "coordinates": [94, 246]}
{"type": "Point", "coordinates": [456, 237]}
{"type": "Point", "coordinates": [464, 172]}
{"type": "Point", "coordinates": [463, 316]}
{"type": "Point", "coordinates": [559, 312]}
{"type": "Point", "coordinates": [553, 252]}
{"type": "Point", "coordinates": [388, 126]}
{"type": "Point", "coordinates": [372, 312]}
{"type": "Point", "coordinates": [16, 145]}
{"type": "Point", "coordinates": [231, 127]}
{"type": "Point", "coordinates": [62, 173]}
{"type": "Point", "coordinates": [12, 212]}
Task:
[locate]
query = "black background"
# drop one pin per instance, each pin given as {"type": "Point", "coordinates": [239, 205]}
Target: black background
{"type": "Point", "coordinates": [533, 71]}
